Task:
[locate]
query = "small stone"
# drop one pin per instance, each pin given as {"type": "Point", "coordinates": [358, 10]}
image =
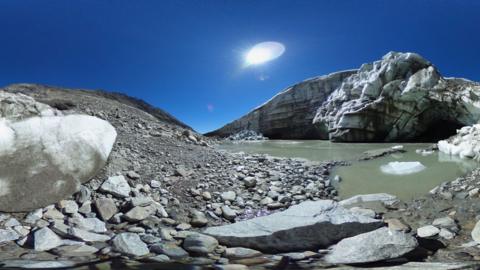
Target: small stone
{"type": "Point", "coordinates": [446, 234]}
{"type": "Point", "coordinates": [476, 232]}
{"type": "Point", "coordinates": [133, 175]}
{"type": "Point", "coordinates": [200, 243]}
{"type": "Point", "coordinates": [75, 251]}
{"type": "Point", "coordinates": [397, 225]}
{"type": "Point", "coordinates": [198, 219]}
{"type": "Point", "coordinates": [83, 194]}
{"type": "Point", "coordinates": [88, 236]}
{"type": "Point", "coordinates": [86, 208]}
{"type": "Point", "coordinates": [169, 249]}
{"type": "Point", "coordinates": [46, 239]}
{"type": "Point", "coordinates": [228, 196]}
{"type": "Point", "coordinates": [33, 216]}
{"type": "Point", "coordinates": [106, 208]}
{"type": "Point", "coordinates": [159, 258]}
{"type": "Point", "coordinates": [117, 186]}
{"type": "Point", "coordinates": [206, 195]}
{"type": "Point", "coordinates": [89, 224]}
{"type": "Point", "coordinates": [228, 213]}
{"type": "Point", "coordinates": [249, 182]}
{"type": "Point", "coordinates": [68, 206]}
{"type": "Point", "coordinates": [150, 239]}
{"type": "Point", "coordinates": [53, 214]}
{"type": "Point", "coordinates": [181, 171]}
{"type": "Point", "coordinates": [230, 267]}
{"type": "Point", "coordinates": [130, 244]}
{"type": "Point", "coordinates": [427, 231]}
{"type": "Point", "coordinates": [241, 253]}
{"type": "Point", "coordinates": [474, 192]}
{"type": "Point", "coordinates": [11, 222]}
{"type": "Point", "coordinates": [445, 222]}
{"type": "Point", "coordinates": [155, 184]}
{"type": "Point", "coordinates": [183, 226]}
{"type": "Point", "coordinates": [139, 213]}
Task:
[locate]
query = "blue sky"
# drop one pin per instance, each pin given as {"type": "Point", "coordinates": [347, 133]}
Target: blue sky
{"type": "Point", "coordinates": [187, 56]}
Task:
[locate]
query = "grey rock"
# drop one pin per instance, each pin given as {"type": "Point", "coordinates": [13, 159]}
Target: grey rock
{"type": "Point", "coordinates": [169, 249]}
{"type": "Point", "coordinates": [83, 194]}
{"type": "Point", "coordinates": [130, 244]}
{"type": "Point", "coordinates": [476, 232]}
{"type": "Point", "coordinates": [308, 225]}
{"type": "Point", "coordinates": [68, 206]}
{"type": "Point", "coordinates": [46, 239]}
{"type": "Point", "coordinates": [374, 246]}
{"type": "Point", "coordinates": [228, 196]}
{"type": "Point", "coordinates": [117, 186]}
{"type": "Point", "coordinates": [198, 219]}
{"type": "Point", "coordinates": [228, 213]}
{"type": "Point", "coordinates": [87, 236]}
{"type": "Point", "coordinates": [89, 224]}
{"type": "Point", "coordinates": [200, 243]}
{"type": "Point", "coordinates": [106, 208]}
{"type": "Point", "coordinates": [139, 213]}
{"type": "Point", "coordinates": [53, 213]}
{"type": "Point", "coordinates": [376, 197]}
{"type": "Point", "coordinates": [241, 253]}
{"type": "Point", "coordinates": [427, 231]}
{"type": "Point", "coordinates": [75, 251]}
{"type": "Point", "coordinates": [8, 235]}
{"type": "Point", "coordinates": [33, 216]}
{"type": "Point", "coordinates": [40, 264]}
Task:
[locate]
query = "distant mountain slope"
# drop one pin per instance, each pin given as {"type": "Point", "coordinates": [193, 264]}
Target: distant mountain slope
{"type": "Point", "coordinates": [62, 98]}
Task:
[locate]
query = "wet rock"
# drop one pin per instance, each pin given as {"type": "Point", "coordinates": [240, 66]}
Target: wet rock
{"type": "Point", "coordinates": [374, 246]}
{"type": "Point", "coordinates": [200, 243]}
{"type": "Point", "coordinates": [106, 208]}
{"type": "Point", "coordinates": [117, 186]}
{"type": "Point", "coordinates": [41, 264]}
{"type": "Point", "coordinates": [130, 244]}
{"type": "Point", "coordinates": [46, 239]}
{"type": "Point", "coordinates": [308, 225]}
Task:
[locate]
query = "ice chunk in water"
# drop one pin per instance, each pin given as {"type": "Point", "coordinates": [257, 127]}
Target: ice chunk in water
{"type": "Point", "coordinates": [401, 168]}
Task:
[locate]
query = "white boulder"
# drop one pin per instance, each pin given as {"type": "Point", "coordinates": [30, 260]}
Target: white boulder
{"type": "Point", "coordinates": [402, 168]}
{"type": "Point", "coordinates": [44, 155]}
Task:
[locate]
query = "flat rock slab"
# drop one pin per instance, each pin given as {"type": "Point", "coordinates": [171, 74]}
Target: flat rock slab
{"type": "Point", "coordinates": [45, 156]}
{"type": "Point", "coordinates": [374, 246]}
{"type": "Point", "coordinates": [306, 226]}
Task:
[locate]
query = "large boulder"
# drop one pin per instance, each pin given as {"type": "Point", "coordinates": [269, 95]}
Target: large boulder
{"type": "Point", "coordinates": [45, 155]}
{"type": "Point", "coordinates": [306, 226]}
{"type": "Point", "coordinates": [401, 97]}
{"type": "Point", "coordinates": [374, 246]}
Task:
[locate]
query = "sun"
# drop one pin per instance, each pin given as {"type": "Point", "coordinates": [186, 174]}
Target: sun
{"type": "Point", "coordinates": [264, 52]}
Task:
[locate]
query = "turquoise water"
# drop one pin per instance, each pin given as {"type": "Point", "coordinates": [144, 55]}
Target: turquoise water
{"type": "Point", "coordinates": [364, 177]}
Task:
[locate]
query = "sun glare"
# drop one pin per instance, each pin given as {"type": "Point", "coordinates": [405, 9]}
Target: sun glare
{"type": "Point", "coordinates": [264, 52]}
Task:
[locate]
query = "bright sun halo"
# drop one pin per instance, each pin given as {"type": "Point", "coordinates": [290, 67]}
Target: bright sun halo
{"type": "Point", "coordinates": [264, 52]}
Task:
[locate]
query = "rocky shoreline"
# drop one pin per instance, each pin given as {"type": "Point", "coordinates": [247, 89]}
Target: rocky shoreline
{"type": "Point", "coordinates": [167, 198]}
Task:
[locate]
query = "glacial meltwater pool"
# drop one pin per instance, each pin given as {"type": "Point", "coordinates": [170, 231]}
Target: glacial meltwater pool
{"type": "Point", "coordinates": [364, 177]}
